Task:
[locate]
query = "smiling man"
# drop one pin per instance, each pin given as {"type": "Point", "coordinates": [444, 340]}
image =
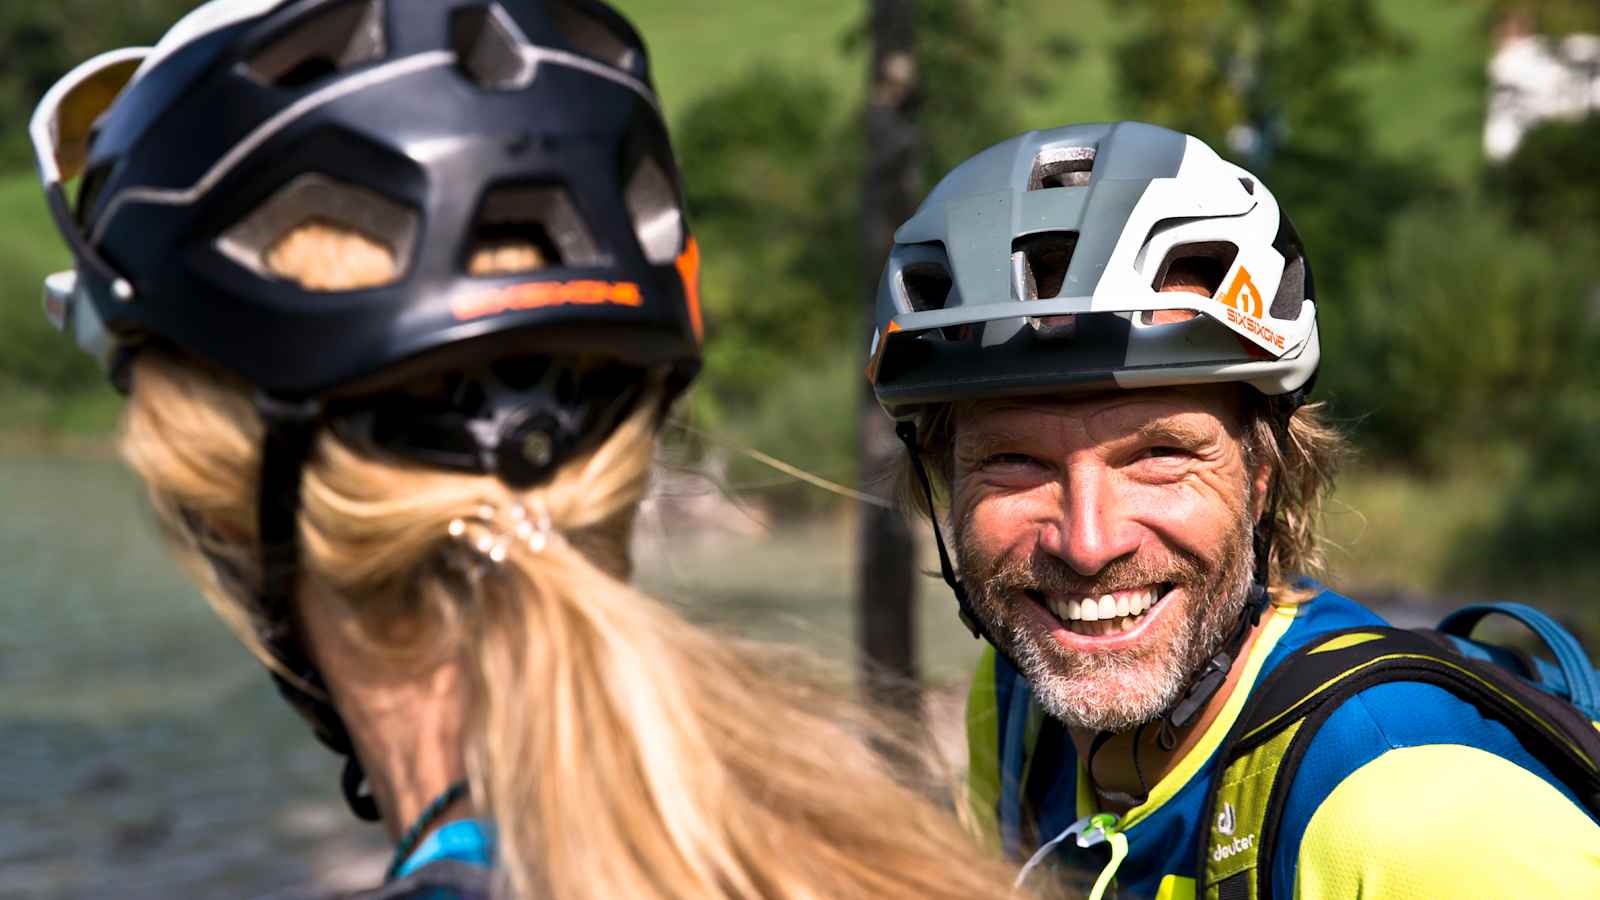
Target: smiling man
{"type": "Point", "coordinates": [1097, 343]}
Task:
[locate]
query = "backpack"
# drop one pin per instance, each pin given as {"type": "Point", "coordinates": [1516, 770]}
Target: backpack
{"type": "Point", "coordinates": [1554, 710]}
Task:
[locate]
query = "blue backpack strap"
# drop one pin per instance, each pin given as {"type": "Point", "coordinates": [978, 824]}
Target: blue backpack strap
{"type": "Point", "coordinates": [1578, 682]}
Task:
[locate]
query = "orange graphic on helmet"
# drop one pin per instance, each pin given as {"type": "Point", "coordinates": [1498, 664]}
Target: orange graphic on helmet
{"type": "Point", "coordinates": [689, 271]}
{"type": "Point", "coordinates": [541, 294]}
{"type": "Point", "coordinates": [1243, 294]}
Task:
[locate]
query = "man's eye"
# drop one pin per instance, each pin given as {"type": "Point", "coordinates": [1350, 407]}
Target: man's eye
{"type": "Point", "coordinates": [1162, 452]}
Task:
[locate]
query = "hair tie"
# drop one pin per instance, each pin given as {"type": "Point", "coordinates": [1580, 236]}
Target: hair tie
{"type": "Point", "coordinates": [491, 532]}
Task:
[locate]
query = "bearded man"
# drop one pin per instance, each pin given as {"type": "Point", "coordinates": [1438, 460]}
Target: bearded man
{"type": "Point", "coordinates": [1097, 343]}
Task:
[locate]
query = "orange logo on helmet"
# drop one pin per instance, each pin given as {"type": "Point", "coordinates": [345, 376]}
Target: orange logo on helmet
{"type": "Point", "coordinates": [689, 271]}
{"type": "Point", "coordinates": [541, 294]}
{"type": "Point", "coordinates": [880, 343]}
{"type": "Point", "coordinates": [1243, 294]}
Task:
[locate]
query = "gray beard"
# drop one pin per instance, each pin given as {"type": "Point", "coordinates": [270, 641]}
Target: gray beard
{"type": "Point", "coordinates": [1145, 681]}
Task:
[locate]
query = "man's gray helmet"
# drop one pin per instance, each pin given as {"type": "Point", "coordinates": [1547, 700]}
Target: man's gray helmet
{"type": "Point", "coordinates": [1033, 267]}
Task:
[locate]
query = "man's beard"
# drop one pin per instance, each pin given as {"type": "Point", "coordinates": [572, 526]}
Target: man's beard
{"type": "Point", "coordinates": [1112, 690]}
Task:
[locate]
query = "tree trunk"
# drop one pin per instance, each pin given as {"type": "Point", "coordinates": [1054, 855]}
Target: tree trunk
{"type": "Point", "coordinates": [886, 577]}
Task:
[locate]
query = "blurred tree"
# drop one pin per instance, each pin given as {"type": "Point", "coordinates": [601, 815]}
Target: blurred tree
{"type": "Point", "coordinates": [1553, 17]}
{"type": "Point", "coordinates": [1551, 186]}
{"type": "Point", "coordinates": [1552, 182]}
{"type": "Point", "coordinates": [886, 562]}
{"type": "Point", "coordinates": [1469, 329]}
{"type": "Point", "coordinates": [769, 178]}
{"type": "Point", "coordinates": [1543, 540]}
{"type": "Point", "coordinates": [1249, 74]}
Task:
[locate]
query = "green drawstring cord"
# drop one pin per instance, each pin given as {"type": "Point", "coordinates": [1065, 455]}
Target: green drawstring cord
{"type": "Point", "coordinates": [1090, 830]}
{"type": "Point", "coordinates": [1119, 852]}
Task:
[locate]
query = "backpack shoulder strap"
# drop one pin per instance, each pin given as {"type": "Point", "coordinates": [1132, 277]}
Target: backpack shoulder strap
{"type": "Point", "coordinates": [1257, 761]}
{"type": "Point", "coordinates": [1573, 676]}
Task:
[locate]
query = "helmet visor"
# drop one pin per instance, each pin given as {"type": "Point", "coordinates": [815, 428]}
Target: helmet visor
{"type": "Point", "coordinates": [62, 122]}
{"type": "Point", "coordinates": [60, 131]}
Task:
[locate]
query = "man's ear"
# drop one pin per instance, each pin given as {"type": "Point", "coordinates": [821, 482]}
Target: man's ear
{"type": "Point", "coordinates": [1260, 482]}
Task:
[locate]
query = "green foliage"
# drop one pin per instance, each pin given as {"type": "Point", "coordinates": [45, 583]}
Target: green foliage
{"type": "Point", "coordinates": [698, 46]}
{"type": "Point", "coordinates": [1426, 104]}
{"type": "Point", "coordinates": [775, 202]}
{"type": "Point", "coordinates": [32, 353]}
{"type": "Point", "coordinates": [1552, 181]}
{"type": "Point", "coordinates": [1547, 527]}
{"type": "Point", "coordinates": [40, 40]}
{"type": "Point", "coordinates": [1554, 16]}
{"type": "Point", "coordinates": [1466, 330]}
{"type": "Point", "coordinates": [1280, 67]}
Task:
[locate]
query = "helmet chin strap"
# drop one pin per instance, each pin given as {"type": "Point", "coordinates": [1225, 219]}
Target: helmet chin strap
{"type": "Point", "coordinates": [907, 432]}
{"type": "Point", "coordinates": [290, 430]}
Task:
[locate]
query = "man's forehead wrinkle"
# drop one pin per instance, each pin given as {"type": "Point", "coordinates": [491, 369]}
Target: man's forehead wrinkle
{"type": "Point", "coordinates": [978, 441]}
{"type": "Point", "coordinates": [1014, 424]}
{"type": "Point", "coordinates": [1182, 417]}
{"type": "Point", "coordinates": [1144, 416]}
{"type": "Point", "coordinates": [1191, 428]}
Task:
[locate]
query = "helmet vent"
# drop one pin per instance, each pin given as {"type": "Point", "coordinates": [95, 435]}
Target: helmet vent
{"type": "Point", "coordinates": [1249, 185]}
{"type": "Point", "coordinates": [338, 37]}
{"type": "Point", "coordinates": [1043, 259]}
{"type": "Point", "coordinates": [1061, 167]}
{"type": "Point", "coordinates": [513, 218]}
{"type": "Point", "coordinates": [652, 202]}
{"type": "Point", "coordinates": [1200, 265]}
{"type": "Point", "coordinates": [927, 285]}
{"type": "Point", "coordinates": [1193, 268]}
{"type": "Point", "coordinates": [488, 47]}
{"type": "Point", "coordinates": [1291, 290]}
{"type": "Point", "coordinates": [592, 37]}
{"type": "Point", "coordinates": [341, 208]}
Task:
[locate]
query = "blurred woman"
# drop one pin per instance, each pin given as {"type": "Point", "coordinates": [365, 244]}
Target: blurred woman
{"type": "Point", "coordinates": [399, 292]}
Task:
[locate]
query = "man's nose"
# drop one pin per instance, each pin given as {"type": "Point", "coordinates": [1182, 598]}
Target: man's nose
{"type": "Point", "coordinates": [1094, 528]}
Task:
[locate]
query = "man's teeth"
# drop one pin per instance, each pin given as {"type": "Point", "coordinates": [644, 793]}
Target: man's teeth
{"type": "Point", "coordinates": [1119, 611]}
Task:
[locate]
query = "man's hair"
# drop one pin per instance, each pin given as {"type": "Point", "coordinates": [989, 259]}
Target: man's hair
{"type": "Point", "coordinates": [1303, 471]}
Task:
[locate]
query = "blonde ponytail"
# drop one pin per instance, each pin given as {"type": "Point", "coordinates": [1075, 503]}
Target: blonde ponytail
{"type": "Point", "coordinates": [619, 750]}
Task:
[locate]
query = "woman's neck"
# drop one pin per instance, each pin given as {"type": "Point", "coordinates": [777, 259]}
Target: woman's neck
{"type": "Point", "coordinates": [408, 737]}
{"type": "Point", "coordinates": [407, 729]}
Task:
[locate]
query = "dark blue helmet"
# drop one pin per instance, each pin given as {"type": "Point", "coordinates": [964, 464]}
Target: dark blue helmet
{"type": "Point", "coordinates": [433, 128]}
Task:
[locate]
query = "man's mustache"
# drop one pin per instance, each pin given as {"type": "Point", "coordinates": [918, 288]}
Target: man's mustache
{"type": "Point", "coordinates": [1042, 573]}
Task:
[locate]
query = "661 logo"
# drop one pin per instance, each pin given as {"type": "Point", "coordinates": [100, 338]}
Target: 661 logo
{"type": "Point", "coordinates": [1245, 307]}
